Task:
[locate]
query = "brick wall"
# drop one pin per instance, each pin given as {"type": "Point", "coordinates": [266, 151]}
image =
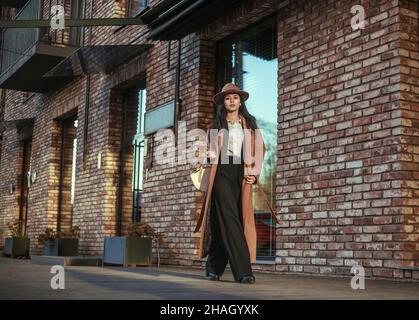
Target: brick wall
{"type": "Point", "coordinates": [340, 164]}
{"type": "Point", "coordinates": [9, 206]}
{"type": "Point", "coordinates": [409, 105]}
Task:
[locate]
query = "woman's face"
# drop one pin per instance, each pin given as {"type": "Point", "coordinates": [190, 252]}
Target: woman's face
{"type": "Point", "coordinates": [232, 102]}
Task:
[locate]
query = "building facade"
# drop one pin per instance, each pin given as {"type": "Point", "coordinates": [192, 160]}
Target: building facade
{"type": "Point", "coordinates": [338, 106]}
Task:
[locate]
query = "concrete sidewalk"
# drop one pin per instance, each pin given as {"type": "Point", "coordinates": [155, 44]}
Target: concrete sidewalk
{"type": "Point", "coordinates": [21, 279]}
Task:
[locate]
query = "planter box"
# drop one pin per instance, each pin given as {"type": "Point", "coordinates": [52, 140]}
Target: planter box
{"type": "Point", "coordinates": [16, 246]}
{"type": "Point", "coordinates": [62, 247]}
{"type": "Point", "coordinates": [127, 251]}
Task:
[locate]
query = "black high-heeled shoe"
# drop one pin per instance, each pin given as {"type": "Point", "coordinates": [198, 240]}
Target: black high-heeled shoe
{"type": "Point", "coordinates": [211, 276]}
{"type": "Point", "coordinates": [247, 279]}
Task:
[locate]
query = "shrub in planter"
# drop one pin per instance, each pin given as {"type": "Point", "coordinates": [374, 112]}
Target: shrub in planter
{"type": "Point", "coordinates": [18, 244]}
{"type": "Point", "coordinates": [134, 249]}
{"type": "Point", "coordinates": [60, 243]}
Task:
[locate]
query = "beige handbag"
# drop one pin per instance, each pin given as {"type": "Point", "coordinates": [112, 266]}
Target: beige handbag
{"type": "Point", "coordinates": [200, 177]}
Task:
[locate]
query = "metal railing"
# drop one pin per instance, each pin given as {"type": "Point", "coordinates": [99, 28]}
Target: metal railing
{"type": "Point", "coordinates": [17, 41]}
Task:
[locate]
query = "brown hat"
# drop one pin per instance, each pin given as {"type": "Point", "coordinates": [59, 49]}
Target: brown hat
{"type": "Point", "coordinates": [227, 89]}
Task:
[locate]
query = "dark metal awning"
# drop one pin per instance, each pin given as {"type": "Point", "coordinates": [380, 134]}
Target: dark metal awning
{"type": "Point", "coordinates": [96, 59]}
{"type": "Point", "coordinates": [12, 3]}
{"type": "Point", "coordinates": [174, 19]}
{"type": "Point", "coordinates": [25, 74]}
{"type": "Point", "coordinates": [159, 9]}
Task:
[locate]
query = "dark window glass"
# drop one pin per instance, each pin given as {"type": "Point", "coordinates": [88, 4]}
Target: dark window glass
{"type": "Point", "coordinates": [136, 6]}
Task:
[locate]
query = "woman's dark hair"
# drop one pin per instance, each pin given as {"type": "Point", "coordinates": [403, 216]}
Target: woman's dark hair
{"type": "Point", "coordinates": [220, 120]}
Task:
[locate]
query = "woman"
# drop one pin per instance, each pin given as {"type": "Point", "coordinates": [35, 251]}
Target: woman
{"type": "Point", "coordinates": [228, 228]}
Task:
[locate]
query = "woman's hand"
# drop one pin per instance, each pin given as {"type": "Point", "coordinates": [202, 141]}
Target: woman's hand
{"type": "Point", "coordinates": [250, 179]}
{"type": "Point", "coordinates": [211, 154]}
{"type": "Point", "coordinates": [208, 154]}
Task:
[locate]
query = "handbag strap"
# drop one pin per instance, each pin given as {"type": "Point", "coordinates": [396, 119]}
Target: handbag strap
{"type": "Point", "coordinates": [198, 165]}
{"type": "Point", "coordinates": [267, 201]}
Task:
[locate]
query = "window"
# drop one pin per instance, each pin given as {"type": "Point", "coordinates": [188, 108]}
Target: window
{"type": "Point", "coordinates": [138, 142]}
{"type": "Point", "coordinates": [136, 6]}
{"type": "Point", "coordinates": [249, 59]}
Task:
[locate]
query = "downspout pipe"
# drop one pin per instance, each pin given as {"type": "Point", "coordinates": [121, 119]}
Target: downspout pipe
{"type": "Point", "coordinates": [178, 101]}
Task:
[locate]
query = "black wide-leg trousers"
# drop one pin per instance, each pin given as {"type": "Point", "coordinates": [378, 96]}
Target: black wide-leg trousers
{"type": "Point", "coordinates": [228, 243]}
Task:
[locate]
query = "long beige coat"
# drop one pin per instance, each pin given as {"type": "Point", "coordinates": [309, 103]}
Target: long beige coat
{"type": "Point", "coordinates": [253, 160]}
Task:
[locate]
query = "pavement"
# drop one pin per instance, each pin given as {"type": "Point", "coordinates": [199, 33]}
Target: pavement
{"type": "Point", "coordinates": [22, 279]}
